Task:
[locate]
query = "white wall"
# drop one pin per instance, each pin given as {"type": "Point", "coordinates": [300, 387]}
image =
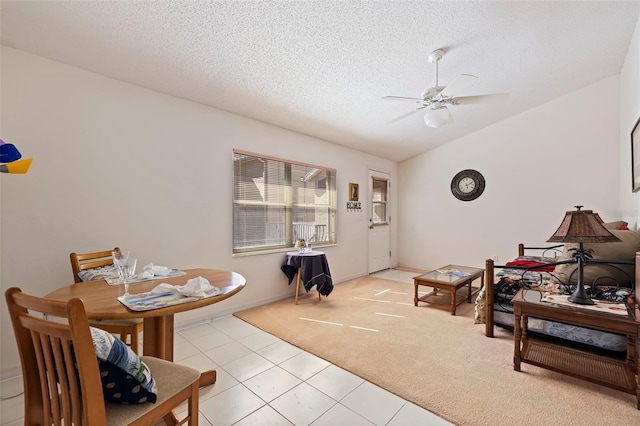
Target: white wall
{"type": "Point", "coordinates": [537, 165]}
{"type": "Point", "coordinates": [629, 114]}
{"type": "Point", "coordinates": [116, 164]}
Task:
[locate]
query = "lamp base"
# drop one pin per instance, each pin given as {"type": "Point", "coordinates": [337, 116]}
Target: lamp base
{"type": "Point", "coordinates": [581, 297]}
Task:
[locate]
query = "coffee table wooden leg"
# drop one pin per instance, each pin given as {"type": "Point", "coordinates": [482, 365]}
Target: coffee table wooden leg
{"type": "Point", "coordinates": [453, 300]}
{"type": "Point", "coordinates": [415, 296]}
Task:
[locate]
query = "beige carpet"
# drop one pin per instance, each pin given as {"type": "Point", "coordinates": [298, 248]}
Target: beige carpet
{"type": "Point", "coordinates": [438, 361]}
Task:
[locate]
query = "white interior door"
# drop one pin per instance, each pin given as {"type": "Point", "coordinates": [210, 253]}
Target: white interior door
{"type": "Point", "coordinates": [379, 235]}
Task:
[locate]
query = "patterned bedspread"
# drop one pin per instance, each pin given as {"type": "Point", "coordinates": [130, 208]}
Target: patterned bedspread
{"type": "Point", "coordinates": [509, 280]}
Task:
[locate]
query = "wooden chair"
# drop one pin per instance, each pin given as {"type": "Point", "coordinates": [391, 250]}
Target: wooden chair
{"type": "Point", "coordinates": [61, 375]}
{"type": "Point", "coordinates": [128, 330]}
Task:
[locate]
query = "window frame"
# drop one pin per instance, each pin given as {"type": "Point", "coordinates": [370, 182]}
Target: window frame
{"type": "Point", "coordinates": [384, 203]}
{"type": "Point", "coordinates": [290, 208]}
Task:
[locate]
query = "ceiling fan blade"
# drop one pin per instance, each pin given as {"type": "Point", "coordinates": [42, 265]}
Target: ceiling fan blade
{"type": "Point", "coordinates": [459, 85]}
{"type": "Point", "coordinates": [405, 115]}
{"type": "Point", "coordinates": [401, 98]}
{"type": "Point", "coordinates": [481, 99]}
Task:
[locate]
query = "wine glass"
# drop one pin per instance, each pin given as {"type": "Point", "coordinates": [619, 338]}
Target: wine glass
{"type": "Point", "coordinates": [129, 271]}
{"type": "Point", "coordinates": [118, 258]}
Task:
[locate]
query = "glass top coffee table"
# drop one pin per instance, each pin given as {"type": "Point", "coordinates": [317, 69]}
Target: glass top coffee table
{"type": "Point", "coordinates": [450, 278]}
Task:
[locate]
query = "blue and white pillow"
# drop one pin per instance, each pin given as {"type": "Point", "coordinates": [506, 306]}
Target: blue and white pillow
{"type": "Point", "coordinates": [101, 273]}
{"type": "Point", "coordinates": [125, 378]}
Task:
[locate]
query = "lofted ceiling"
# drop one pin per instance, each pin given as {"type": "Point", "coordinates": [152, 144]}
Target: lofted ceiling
{"type": "Point", "coordinates": [321, 67]}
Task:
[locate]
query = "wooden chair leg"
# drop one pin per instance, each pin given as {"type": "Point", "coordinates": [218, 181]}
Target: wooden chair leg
{"type": "Point", "coordinates": [135, 342]}
{"type": "Point", "coordinates": [125, 338]}
{"type": "Point", "coordinates": [171, 419]}
{"type": "Point", "coordinates": [193, 404]}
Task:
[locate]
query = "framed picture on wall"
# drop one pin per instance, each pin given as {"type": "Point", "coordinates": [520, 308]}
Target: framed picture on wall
{"type": "Point", "coordinates": [353, 192]}
{"type": "Point", "coordinates": [635, 156]}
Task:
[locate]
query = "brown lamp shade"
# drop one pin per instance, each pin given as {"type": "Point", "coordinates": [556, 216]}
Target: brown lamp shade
{"type": "Point", "coordinates": [582, 226]}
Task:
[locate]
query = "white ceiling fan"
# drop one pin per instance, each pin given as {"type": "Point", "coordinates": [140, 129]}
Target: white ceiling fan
{"type": "Point", "coordinates": [436, 99]}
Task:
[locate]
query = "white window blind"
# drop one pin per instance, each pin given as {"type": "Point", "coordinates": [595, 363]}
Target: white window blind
{"type": "Point", "coordinates": [276, 202]}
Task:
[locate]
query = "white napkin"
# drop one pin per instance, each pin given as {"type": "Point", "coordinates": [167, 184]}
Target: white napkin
{"type": "Point", "coordinates": [164, 288]}
{"type": "Point", "coordinates": [145, 275]}
{"type": "Point", "coordinates": [151, 270]}
{"type": "Point", "coordinates": [195, 287]}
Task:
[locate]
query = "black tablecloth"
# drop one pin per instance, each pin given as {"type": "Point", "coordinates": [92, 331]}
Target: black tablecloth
{"type": "Point", "coordinates": [315, 270]}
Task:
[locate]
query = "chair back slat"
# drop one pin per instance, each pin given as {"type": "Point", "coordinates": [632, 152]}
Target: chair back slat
{"type": "Point", "coordinates": [73, 383]}
{"type": "Point", "coordinates": [45, 386]}
{"type": "Point", "coordinates": [50, 376]}
{"type": "Point", "coordinates": [60, 363]}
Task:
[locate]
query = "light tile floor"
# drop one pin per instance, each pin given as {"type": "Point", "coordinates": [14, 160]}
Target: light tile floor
{"type": "Point", "coordinates": [262, 380]}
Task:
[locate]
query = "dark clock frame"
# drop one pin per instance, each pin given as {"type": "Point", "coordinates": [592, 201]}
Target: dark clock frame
{"type": "Point", "coordinates": [477, 191]}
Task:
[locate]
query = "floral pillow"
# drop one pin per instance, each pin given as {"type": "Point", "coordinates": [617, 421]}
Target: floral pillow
{"type": "Point", "coordinates": [95, 274]}
{"type": "Point", "coordinates": [480, 310]}
{"type": "Point", "coordinates": [511, 279]}
{"type": "Point", "coordinates": [125, 378]}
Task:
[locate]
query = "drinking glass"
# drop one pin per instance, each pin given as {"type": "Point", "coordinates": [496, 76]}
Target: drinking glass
{"type": "Point", "coordinates": [118, 258]}
{"type": "Point", "coordinates": [129, 271]}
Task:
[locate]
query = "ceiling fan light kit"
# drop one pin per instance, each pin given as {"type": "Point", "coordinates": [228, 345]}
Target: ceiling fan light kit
{"type": "Point", "coordinates": [438, 117]}
{"type": "Point", "coordinates": [435, 99]}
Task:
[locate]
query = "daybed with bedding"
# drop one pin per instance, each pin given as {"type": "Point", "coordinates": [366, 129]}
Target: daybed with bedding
{"type": "Point", "coordinates": [610, 277]}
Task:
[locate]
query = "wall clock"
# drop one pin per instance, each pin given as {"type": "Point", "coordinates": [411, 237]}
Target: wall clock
{"type": "Point", "coordinates": [467, 185]}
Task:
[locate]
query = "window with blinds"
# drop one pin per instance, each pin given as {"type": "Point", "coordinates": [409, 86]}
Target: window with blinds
{"type": "Point", "coordinates": [277, 202]}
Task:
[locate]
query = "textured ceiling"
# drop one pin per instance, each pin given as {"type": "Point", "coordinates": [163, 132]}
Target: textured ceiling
{"type": "Point", "coordinates": [321, 67]}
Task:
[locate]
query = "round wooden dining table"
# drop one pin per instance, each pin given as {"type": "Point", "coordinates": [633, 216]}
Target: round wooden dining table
{"type": "Point", "coordinates": [101, 302]}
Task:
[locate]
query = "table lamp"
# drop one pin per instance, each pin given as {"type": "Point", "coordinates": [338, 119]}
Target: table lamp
{"type": "Point", "coordinates": [582, 226]}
